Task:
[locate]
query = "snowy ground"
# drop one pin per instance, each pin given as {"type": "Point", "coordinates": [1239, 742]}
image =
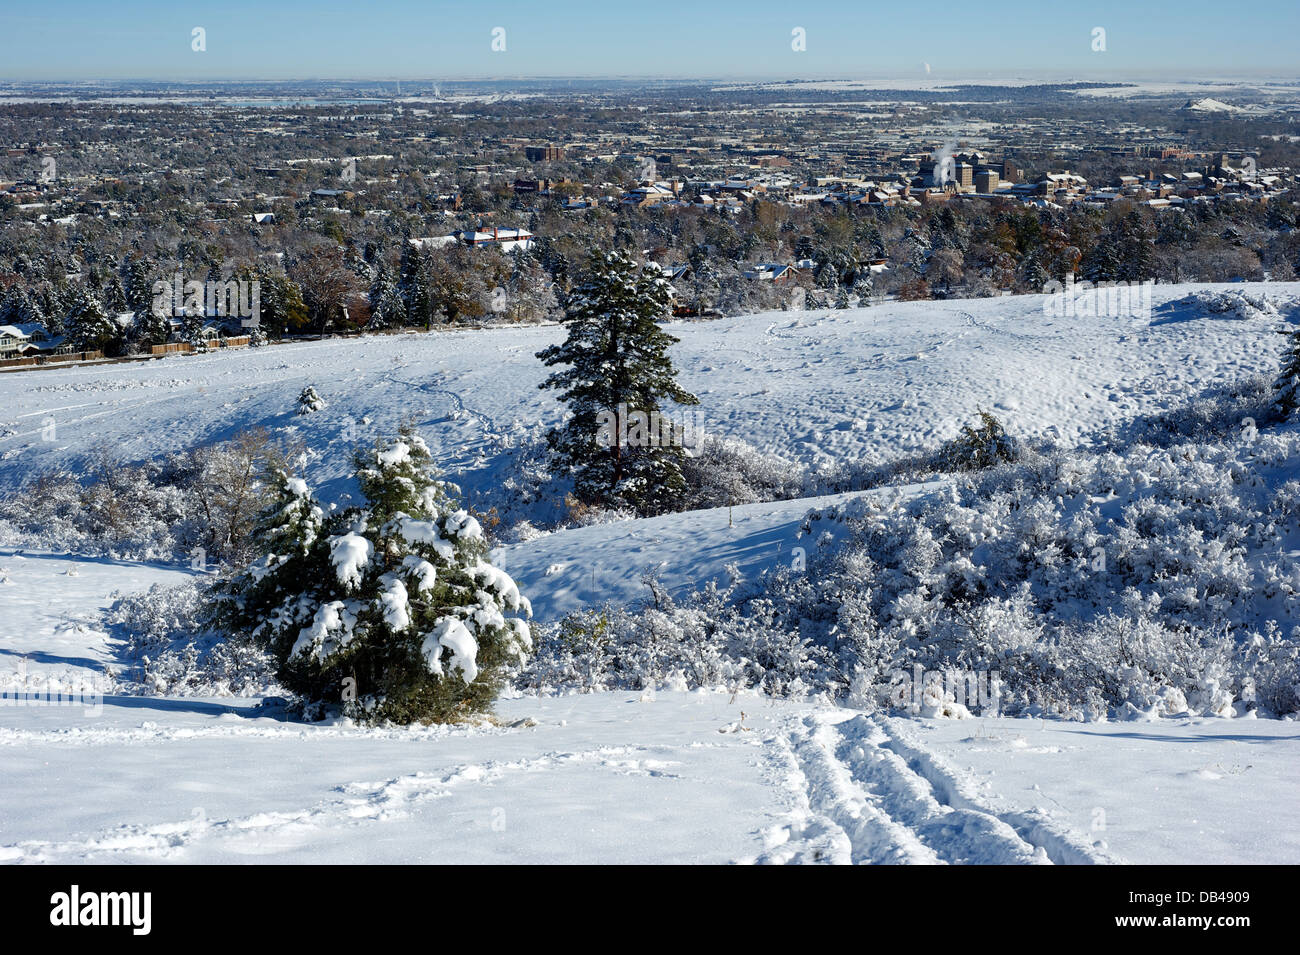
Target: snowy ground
{"type": "Point", "coordinates": [815, 386]}
{"type": "Point", "coordinates": [606, 777]}
{"type": "Point", "coordinates": [589, 566]}
{"type": "Point", "coordinates": [622, 777]}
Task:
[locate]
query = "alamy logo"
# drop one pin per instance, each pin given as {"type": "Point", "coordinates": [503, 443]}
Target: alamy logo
{"type": "Point", "coordinates": [1097, 299]}
{"type": "Point", "coordinates": [638, 429]}
{"type": "Point", "coordinates": [22, 689]}
{"type": "Point", "coordinates": [233, 299]}
{"type": "Point", "coordinates": [75, 907]}
{"type": "Point", "coordinates": [928, 693]}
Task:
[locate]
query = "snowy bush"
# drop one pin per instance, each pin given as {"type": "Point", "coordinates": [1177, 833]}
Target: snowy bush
{"type": "Point", "coordinates": [1146, 580]}
{"type": "Point", "coordinates": [701, 643]}
{"type": "Point", "coordinates": [1235, 303]}
{"type": "Point", "coordinates": [166, 648]}
{"type": "Point", "coordinates": [726, 471]}
{"type": "Point", "coordinates": [975, 448]}
{"type": "Point", "coordinates": [1231, 411]}
{"type": "Point", "coordinates": [110, 509]}
{"type": "Point", "coordinates": [159, 510]}
{"type": "Point", "coordinates": [388, 608]}
{"type": "Point", "coordinates": [309, 401]}
{"type": "Point", "coordinates": [978, 448]}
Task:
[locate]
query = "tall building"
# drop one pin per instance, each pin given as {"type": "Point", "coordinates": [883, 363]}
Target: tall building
{"type": "Point", "coordinates": [543, 153]}
{"type": "Point", "coordinates": [986, 180]}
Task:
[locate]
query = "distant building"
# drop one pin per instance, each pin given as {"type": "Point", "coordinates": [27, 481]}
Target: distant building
{"type": "Point", "coordinates": [987, 180]}
{"type": "Point", "coordinates": [504, 239]}
{"type": "Point", "coordinates": [29, 338]}
{"type": "Point", "coordinates": [543, 153]}
{"type": "Point", "coordinates": [771, 272]}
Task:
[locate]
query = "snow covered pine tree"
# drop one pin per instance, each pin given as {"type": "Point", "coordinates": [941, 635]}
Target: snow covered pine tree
{"type": "Point", "coordinates": [389, 608]}
{"type": "Point", "coordinates": [618, 364]}
{"type": "Point", "coordinates": [1287, 386]}
{"type": "Point", "coordinates": [309, 400]}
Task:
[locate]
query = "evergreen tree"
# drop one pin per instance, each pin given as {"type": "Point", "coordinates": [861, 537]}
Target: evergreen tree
{"type": "Point", "coordinates": [864, 284]}
{"type": "Point", "coordinates": [705, 285]}
{"type": "Point", "coordinates": [88, 326]}
{"type": "Point", "coordinates": [618, 371]}
{"type": "Point", "coordinates": [309, 401]}
{"type": "Point", "coordinates": [114, 296]}
{"type": "Point", "coordinates": [138, 284]}
{"type": "Point", "coordinates": [1102, 263]}
{"type": "Point", "coordinates": [192, 324]}
{"type": "Point", "coordinates": [48, 303]}
{"type": "Point", "coordinates": [35, 312]}
{"type": "Point", "coordinates": [1287, 386]}
{"type": "Point", "coordinates": [918, 254]}
{"type": "Point", "coordinates": [413, 284]}
{"type": "Point", "coordinates": [150, 327]}
{"type": "Point", "coordinates": [1033, 274]}
{"type": "Point", "coordinates": [1139, 254]}
{"type": "Point", "coordinates": [391, 607]}
{"type": "Point", "coordinates": [387, 310]}
{"type": "Point", "coordinates": [280, 302]}
{"type": "Point", "coordinates": [16, 307]}
{"type": "Point", "coordinates": [871, 241]}
{"type": "Point", "coordinates": [531, 296]}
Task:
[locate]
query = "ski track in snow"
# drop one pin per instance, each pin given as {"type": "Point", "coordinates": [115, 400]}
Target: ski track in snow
{"type": "Point", "coordinates": [863, 796]}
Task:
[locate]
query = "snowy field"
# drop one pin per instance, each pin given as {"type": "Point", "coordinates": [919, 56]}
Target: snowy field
{"type": "Point", "coordinates": [653, 776]}
{"type": "Point", "coordinates": [813, 387]}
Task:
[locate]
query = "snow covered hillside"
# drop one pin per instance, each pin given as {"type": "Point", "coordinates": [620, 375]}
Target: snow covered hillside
{"type": "Point", "coordinates": [621, 777]}
{"type": "Point", "coordinates": [665, 774]}
{"type": "Point", "coordinates": [813, 387]}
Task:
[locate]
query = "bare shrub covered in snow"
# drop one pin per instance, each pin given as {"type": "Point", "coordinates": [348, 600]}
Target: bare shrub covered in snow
{"type": "Point", "coordinates": [726, 471]}
{"type": "Point", "coordinates": [1228, 412]}
{"type": "Point", "coordinates": [205, 497]}
{"type": "Point", "coordinates": [984, 446]}
{"type": "Point", "coordinates": [1154, 581]}
{"type": "Point", "coordinates": [111, 509]}
{"type": "Point", "coordinates": [167, 649]}
{"type": "Point", "coordinates": [703, 642]}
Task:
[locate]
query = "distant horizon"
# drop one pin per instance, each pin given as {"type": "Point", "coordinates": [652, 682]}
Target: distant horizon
{"type": "Point", "coordinates": [934, 78]}
{"type": "Point", "coordinates": [759, 40]}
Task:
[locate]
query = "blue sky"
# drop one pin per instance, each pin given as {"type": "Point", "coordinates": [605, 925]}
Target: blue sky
{"type": "Point", "coordinates": [387, 39]}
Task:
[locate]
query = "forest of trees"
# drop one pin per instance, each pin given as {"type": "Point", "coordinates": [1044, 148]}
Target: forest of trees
{"type": "Point", "coordinates": [323, 271]}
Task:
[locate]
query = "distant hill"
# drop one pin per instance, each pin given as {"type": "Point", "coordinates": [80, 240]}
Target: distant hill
{"type": "Point", "coordinates": [1210, 106]}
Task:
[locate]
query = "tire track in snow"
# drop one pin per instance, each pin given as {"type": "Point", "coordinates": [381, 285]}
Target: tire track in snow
{"type": "Point", "coordinates": [836, 819]}
{"type": "Point", "coordinates": [862, 796]}
{"type": "Point", "coordinates": [954, 788]}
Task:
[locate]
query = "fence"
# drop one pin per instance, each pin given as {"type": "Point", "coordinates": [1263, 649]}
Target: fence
{"type": "Point", "coordinates": [30, 360]}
